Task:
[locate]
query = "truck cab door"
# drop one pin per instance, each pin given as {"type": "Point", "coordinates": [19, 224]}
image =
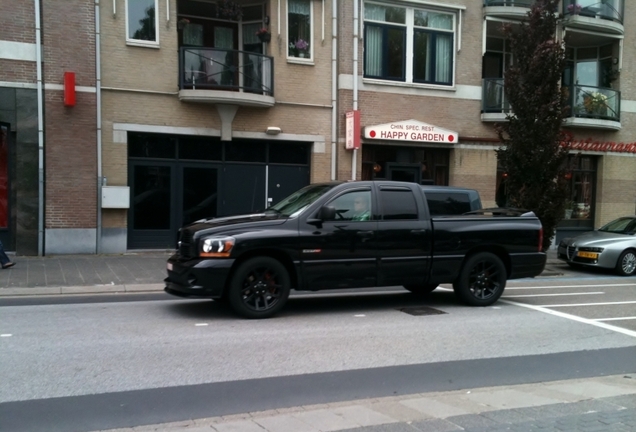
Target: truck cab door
{"type": "Point", "coordinates": [404, 237]}
{"type": "Point", "coordinates": [340, 252]}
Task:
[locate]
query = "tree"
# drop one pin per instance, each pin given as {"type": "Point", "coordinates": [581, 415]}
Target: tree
{"type": "Point", "coordinates": [535, 149]}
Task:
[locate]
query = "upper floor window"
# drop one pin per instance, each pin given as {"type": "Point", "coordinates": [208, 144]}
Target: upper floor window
{"type": "Point", "coordinates": [408, 44]}
{"type": "Point", "coordinates": [141, 21]}
{"type": "Point", "coordinates": [299, 22]}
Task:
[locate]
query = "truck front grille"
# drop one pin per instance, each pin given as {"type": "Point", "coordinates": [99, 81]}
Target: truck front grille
{"type": "Point", "coordinates": [186, 244]}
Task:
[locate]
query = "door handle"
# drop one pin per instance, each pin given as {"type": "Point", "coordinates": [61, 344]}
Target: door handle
{"type": "Point", "coordinates": [418, 231]}
{"type": "Point", "coordinates": [365, 234]}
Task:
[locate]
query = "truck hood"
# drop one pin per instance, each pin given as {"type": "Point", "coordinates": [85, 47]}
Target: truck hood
{"type": "Point", "coordinates": [234, 224]}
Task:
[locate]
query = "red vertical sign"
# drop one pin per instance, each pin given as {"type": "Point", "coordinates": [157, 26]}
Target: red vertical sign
{"type": "Point", "coordinates": [69, 89]}
{"type": "Point", "coordinates": [352, 130]}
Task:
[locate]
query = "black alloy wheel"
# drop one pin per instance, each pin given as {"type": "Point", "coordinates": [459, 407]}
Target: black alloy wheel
{"type": "Point", "coordinates": [481, 280]}
{"type": "Point", "coordinates": [626, 265]}
{"type": "Point", "coordinates": [259, 288]}
{"type": "Point", "coordinates": [421, 289]}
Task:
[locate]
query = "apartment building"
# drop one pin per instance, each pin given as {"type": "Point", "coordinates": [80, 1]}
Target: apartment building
{"type": "Point", "coordinates": [203, 108]}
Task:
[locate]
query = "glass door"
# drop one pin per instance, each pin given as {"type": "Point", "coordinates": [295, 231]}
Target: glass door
{"type": "Point", "coordinates": [199, 193]}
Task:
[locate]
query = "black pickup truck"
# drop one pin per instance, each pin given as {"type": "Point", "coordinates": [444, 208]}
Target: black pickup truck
{"type": "Point", "coordinates": [321, 237]}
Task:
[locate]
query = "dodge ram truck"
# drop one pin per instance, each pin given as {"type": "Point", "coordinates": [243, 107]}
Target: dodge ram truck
{"type": "Point", "coordinates": [314, 239]}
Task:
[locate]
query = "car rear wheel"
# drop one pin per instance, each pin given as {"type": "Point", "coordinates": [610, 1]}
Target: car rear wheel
{"type": "Point", "coordinates": [259, 288]}
{"type": "Point", "coordinates": [421, 289]}
{"type": "Point", "coordinates": [481, 280]}
{"type": "Point", "coordinates": [626, 265]}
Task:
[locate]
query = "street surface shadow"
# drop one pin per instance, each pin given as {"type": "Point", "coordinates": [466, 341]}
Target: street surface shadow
{"type": "Point", "coordinates": [323, 303]}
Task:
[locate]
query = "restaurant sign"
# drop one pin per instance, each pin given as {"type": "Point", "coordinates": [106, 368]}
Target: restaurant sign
{"type": "Point", "coordinates": [412, 131]}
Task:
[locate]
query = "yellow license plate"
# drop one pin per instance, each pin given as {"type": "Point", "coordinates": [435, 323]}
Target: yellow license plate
{"type": "Point", "coordinates": [591, 255]}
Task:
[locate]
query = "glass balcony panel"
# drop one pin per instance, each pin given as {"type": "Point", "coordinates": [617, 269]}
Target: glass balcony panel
{"type": "Point", "coordinates": [514, 3]}
{"type": "Point", "coordinates": [595, 102]}
{"type": "Point", "coordinates": [604, 9]}
{"type": "Point", "coordinates": [226, 69]}
{"type": "Point", "coordinates": [493, 98]}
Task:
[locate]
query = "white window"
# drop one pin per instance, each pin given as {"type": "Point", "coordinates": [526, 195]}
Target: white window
{"type": "Point", "coordinates": [409, 44]}
{"type": "Point", "coordinates": [142, 22]}
{"type": "Point", "coordinates": [299, 23]}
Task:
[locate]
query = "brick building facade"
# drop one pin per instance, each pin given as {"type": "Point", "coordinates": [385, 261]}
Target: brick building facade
{"type": "Point", "coordinates": [193, 113]}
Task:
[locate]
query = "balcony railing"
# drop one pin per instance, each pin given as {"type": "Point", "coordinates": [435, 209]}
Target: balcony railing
{"type": "Point", "coordinates": [493, 97]}
{"type": "Point", "coordinates": [612, 10]}
{"type": "Point", "coordinates": [595, 103]}
{"type": "Point", "coordinates": [513, 3]}
{"type": "Point", "coordinates": [223, 69]}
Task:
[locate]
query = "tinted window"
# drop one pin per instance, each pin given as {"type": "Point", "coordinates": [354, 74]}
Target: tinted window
{"type": "Point", "coordinates": [245, 151]}
{"type": "Point", "coordinates": [398, 204]}
{"type": "Point", "coordinates": [447, 203]}
{"type": "Point", "coordinates": [200, 148]}
{"type": "Point", "coordinates": [288, 153]}
{"type": "Point", "coordinates": [151, 146]}
{"type": "Point", "coordinates": [353, 206]}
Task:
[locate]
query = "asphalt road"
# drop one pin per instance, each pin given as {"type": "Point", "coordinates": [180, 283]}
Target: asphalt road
{"type": "Point", "coordinates": [99, 362]}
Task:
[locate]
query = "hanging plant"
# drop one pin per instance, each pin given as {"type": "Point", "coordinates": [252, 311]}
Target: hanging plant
{"type": "Point", "coordinates": [229, 10]}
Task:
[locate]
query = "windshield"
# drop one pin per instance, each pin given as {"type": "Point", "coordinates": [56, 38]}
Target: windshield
{"type": "Point", "coordinates": [625, 225]}
{"type": "Point", "coordinates": [296, 202]}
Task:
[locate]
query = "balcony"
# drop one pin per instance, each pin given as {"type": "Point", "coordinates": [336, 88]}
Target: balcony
{"type": "Point", "coordinates": [494, 103]}
{"type": "Point", "coordinates": [594, 107]}
{"type": "Point", "coordinates": [508, 9]}
{"type": "Point", "coordinates": [595, 15]}
{"type": "Point", "coordinates": [222, 76]}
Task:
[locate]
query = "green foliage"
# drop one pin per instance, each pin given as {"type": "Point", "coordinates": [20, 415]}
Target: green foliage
{"type": "Point", "coordinates": [535, 149]}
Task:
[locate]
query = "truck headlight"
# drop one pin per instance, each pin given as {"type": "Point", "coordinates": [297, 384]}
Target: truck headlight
{"type": "Point", "coordinates": [216, 247]}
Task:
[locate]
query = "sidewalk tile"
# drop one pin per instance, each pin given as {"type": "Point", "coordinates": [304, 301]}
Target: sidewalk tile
{"type": "Point", "coordinates": [283, 423]}
{"type": "Point", "coordinates": [590, 389]}
{"type": "Point", "coordinates": [397, 411]}
{"type": "Point", "coordinates": [502, 399]}
{"type": "Point", "coordinates": [238, 426]}
{"type": "Point", "coordinates": [325, 420]}
{"type": "Point", "coordinates": [434, 408]}
{"type": "Point", "coordinates": [363, 416]}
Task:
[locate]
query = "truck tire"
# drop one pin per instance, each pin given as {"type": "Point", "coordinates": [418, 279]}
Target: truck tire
{"type": "Point", "coordinates": [421, 289]}
{"type": "Point", "coordinates": [482, 280]}
{"type": "Point", "coordinates": [259, 288]}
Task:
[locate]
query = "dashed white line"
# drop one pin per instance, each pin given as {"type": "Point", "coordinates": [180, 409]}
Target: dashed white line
{"type": "Point", "coordinates": [570, 286]}
{"type": "Point", "coordinates": [589, 304]}
{"type": "Point", "coordinates": [574, 317]}
{"type": "Point", "coordinates": [615, 319]}
{"type": "Point", "coordinates": [201, 324]}
{"type": "Point", "coordinates": [6, 335]}
{"type": "Point", "coordinates": [553, 295]}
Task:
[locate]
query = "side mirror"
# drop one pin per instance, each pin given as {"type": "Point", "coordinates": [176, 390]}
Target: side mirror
{"type": "Point", "coordinates": [325, 213]}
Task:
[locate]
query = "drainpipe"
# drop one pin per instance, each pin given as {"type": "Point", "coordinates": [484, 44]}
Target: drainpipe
{"type": "Point", "coordinates": [334, 86]}
{"type": "Point", "coordinates": [355, 78]}
{"type": "Point", "coordinates": [38, 59]}
{"type": "Point", "coordinates": [98, 101]}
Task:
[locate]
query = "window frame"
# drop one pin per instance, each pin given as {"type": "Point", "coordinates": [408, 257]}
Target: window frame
{"type": "Point", "coordinates": [140, 42]}
{"type": "Point", "coordinates": [302, 60]}
{"type": "Point", "coordinates": [409, 29]}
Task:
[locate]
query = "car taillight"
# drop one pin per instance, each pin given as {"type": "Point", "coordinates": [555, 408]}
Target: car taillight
{"type": "Point", "coordinates": [540, 239]}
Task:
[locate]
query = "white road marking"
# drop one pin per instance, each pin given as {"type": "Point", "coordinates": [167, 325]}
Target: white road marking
{"type": "Point", "coordinates": [201, 324]}
{"type": "Point", "coordinates": [6, 335]}
{"type": "Point", "coordinates": [360, 316]}
{"type": "Point", "coordinates": [575, 318]}
{"type": "Point", "coordinates": [615, 319]}
{"type": "Point", "coordinates": [571, 286]}
{"type": "Point", "coordinates": [552, 295]}
{"type": "Point", "coordinates": [589, 304]}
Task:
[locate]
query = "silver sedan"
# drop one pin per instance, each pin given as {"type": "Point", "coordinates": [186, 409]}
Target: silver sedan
{"type": "Point", "coordinates": [613, 246]}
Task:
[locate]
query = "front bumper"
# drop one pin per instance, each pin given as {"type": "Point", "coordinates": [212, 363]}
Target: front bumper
{"type": "Point", "coordinates": [202, 278]}
{"type": "Point", "coordinates": [569, 254]}
{"type": "Point", "coordinates": [527, 265]}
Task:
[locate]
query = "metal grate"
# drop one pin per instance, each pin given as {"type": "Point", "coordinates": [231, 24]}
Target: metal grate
{"type": "Point", "coordinates": [421, 310]}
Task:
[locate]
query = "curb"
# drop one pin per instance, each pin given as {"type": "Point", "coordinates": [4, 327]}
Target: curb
{"type": "Point", "coordinates": [93, 289]}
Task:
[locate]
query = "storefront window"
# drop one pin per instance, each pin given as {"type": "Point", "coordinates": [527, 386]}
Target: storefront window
{"type": "Point", "coordinates": [582, 182]}
{"type": "Point", "coordinates": [4, 176]}
{"type": "Point", "coordinates": [419, 165]}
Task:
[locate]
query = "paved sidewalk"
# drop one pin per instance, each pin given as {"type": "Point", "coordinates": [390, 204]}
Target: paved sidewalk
{"type": "Point", "coordinates": [91, 274]}
{"type": "Point", "coordinates": [591, 404]}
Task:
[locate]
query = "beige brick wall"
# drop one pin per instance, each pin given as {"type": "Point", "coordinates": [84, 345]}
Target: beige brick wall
{"type": "Point", "coordinates": [616, 188]}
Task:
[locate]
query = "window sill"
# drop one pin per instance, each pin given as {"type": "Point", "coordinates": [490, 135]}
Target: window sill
{"type": "Point", "coordinates": [299, 60]}
{"type": "Point", "coordinates": [142, 44]}
{"type": "Point", "coordinates": [374, 81]}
